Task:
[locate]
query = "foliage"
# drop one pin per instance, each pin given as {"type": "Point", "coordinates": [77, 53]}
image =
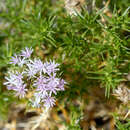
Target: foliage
{"type": "Point", "coordinates": [121, 125]}
{"type": "Point", "coordinates": [92, 47]}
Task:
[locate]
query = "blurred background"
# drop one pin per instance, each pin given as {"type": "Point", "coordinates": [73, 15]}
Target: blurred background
{"type": "Point", "coordinates": [90, 39]}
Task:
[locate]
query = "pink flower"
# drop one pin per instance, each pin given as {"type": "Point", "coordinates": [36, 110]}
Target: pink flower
{"type": "Point", "coordinates": [42, 76]}
{"type": "Point", "coordinates": [61, 85]}
{"type": "Point", "coordinates": [38, 65]}
{"type": "Point", "coordinates": [51, 67]}
{"type": "Point", "coordinates": [20, 90]}
{"type": "Point", "coordinates": [49, 101]}
{"type": "Point", "coordinates": [14, 59]}
{"type": "Point", "coordinates": [27, 52]}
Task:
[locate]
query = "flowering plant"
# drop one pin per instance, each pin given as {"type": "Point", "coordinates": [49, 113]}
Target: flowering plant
{"type": "Point", "coordinates": [33, 72]}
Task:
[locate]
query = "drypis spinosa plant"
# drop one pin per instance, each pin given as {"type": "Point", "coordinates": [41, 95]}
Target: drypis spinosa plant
{"type": "Point", "coordinates": [42, 77]}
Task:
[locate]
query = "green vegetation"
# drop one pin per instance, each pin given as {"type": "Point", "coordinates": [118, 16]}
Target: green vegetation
{"type": "Point", "coordinates": [93, 48]}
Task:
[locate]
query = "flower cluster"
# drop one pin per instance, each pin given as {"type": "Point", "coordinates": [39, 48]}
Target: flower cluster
{"type": "Point", "coordinates": [33, 72]}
